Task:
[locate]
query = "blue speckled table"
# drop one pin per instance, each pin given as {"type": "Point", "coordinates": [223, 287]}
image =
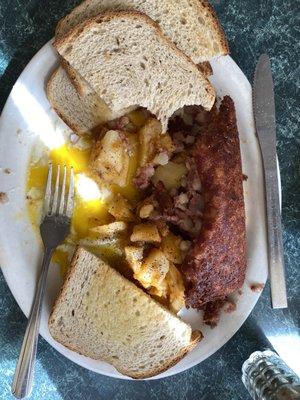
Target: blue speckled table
{"type": "Point", "coordinates": [252, 27]}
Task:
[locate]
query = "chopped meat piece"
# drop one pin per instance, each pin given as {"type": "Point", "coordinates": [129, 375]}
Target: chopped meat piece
{"type": "Point", "coordinates": [163, 198]}
{"type": "Point", "coordinates": [3, 198]}
{"type": "Point", "coordinates": [212, 312]}
{"type": "Point", "coordinates": [143, 176]}
{"type": "Point", "coordinates": [229, 306]}
{"type": "Point", "coordinates": [257, 287]}
{"type": "Point", "coordinates": [216, 263]}
{"type": "Point", "coordinates": [178, 209]}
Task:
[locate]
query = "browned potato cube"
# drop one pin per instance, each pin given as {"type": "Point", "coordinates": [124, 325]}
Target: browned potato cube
{"type": "Point", "coordinates": [170, 245]}
{"type": "Point", "coordinates": [120, 208]}
{"type": "Point", "coordinates": [134, 257]}
{"type": "Point", "coordinates": [110, 230]}
{"type": "Point", "coordinates": [170, 174]}
{"type": "Point", "coordinates": [176, 288]}
{"type": "Point", "coordinates": [147, 232]}
{"type": "Point", "coordinates": [148, 140]}
{"type": "Point", "coordinates": [110, 159]}
{"type": "Point", "coordinates": [154, 269]}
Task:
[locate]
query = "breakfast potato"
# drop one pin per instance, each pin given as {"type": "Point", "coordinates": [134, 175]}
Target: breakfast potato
{"type": "Point", "coordinates": [109, 230]}
{"type": "Point", "coordinates": [170, 174]}
{"type": "Point", "coordinates": [153, 270]}
{"type": "Point", "coordinates": [146, 210]}
{"type": "Point", "coordinates": [155, 147]}
{"type": "Point", "coordinates": [134, 257]}
{"type": "Point", "coordinates": [160, 290]}
{"type": "Point", "coordinates": [175, 288]}
{"type": "Point", "coordinates": [120, 208]}
{"type": "Point", "coordinates": [110, 159]}
{"type": "Point", "coordinates": [138, 118]}
{"type": "Point", "coordinates": [145, 207]}
{"type": "Point", "coordinates": [148, 140]}
{"type": "Point", "coordinates": [170, 245]}
{"type": "Point", "coordinates": [146, 232]}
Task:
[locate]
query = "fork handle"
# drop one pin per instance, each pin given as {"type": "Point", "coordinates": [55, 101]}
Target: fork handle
{"type": "Point", "coordinates": [22, 383]}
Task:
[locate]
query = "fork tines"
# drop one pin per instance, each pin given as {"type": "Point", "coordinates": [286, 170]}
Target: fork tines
{"type": "Point", "coordinates": [58, 203]}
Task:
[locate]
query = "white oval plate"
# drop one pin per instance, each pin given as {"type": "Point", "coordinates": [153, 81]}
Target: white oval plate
{"type": "Point", "coordinates": [27, 118]}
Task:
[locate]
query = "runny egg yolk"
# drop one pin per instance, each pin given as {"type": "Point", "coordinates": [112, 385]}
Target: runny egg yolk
{"type": "Point", "coordinates": [90, 208]}
{"type": "Point", "coordinates": [88, 212]}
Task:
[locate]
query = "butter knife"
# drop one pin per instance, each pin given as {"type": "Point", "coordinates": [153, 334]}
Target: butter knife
{"type": "Point", "coordinates": [264, 116]}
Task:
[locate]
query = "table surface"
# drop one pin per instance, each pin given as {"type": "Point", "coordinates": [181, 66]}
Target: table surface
{"type": "Point", "coordinates": [252, 27]}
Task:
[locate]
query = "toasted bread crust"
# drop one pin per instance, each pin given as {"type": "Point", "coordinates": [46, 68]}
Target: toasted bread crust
{"type": "Point", "coordinates": [196, 338]}
{"type": "Point", "coordinates": [72, 76]}
{"type": "Point", "coordinates": [75, 128]}
{"type": "Point", "coordinates": [217, 25]}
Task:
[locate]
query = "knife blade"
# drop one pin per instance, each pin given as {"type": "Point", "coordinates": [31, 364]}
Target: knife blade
{"type": "Point", "coordinates": [265, 123]}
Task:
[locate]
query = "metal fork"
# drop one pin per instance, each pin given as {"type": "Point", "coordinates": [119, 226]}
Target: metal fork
{"type": "Point", "coordinates": [55, 226]}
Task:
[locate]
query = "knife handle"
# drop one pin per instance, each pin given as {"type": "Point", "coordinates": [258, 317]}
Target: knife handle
{"type": "Point", "coordinates": [275, 246]}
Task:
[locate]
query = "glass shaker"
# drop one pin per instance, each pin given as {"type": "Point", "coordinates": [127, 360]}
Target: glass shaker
{"type": "Point", "coordinates": [267, 377]}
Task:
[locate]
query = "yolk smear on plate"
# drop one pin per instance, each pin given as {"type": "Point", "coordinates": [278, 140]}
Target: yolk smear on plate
{"type": "Point", "coordinates": [90, 208]}
{"type": "Point", "coordinates": [88, 212]}
{"type": "Point", "coordinates": [61, 258]}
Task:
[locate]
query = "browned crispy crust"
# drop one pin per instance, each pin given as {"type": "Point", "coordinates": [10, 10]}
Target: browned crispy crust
{"type": "Point", "coordinates": [216, 264]}
{"type": "Point", "coordinates": [218, 27]}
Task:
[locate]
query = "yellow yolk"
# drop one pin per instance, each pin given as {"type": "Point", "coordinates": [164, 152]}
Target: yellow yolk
{"type": "Point", "coordinates": [61, 258]}
{"type": "Point", "coordinates": [88, 213]}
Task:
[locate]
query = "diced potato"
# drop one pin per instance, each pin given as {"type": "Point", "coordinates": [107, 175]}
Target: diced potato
{"type": "Point", "coordinates": [175, 289]}
{"type": "Point", "coordinates": [120, 208]}
{"type": "Point", "coordinates": [146, 210]}
{"type": "Point", "coordinates": [153, 270]}
{"type": "Point", "coordinates": [89, 242]}
{"type": "Point", "coordinates": [138, 118]}
{"type": "Point", "coordinates": [160, 290]}
{"type": "Point", "coordinates": [170, 174]}
{"type": "Point", "coordinates": [110, 230]}
{"type": "Point", "coordinates": [110, 159]}
{"type": "Point", "coordinates": [170, 245]}
{"type": "Point", "coordinates": [147, 232]}
{"type": "Point", "coordinates": [134, 257]}
{"type": "Point", "coordinates": [148, 140]}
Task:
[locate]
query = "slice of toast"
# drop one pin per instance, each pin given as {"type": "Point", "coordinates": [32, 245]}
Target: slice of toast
{"type": "Point", "coordinates": [191, 24]}
{"type": "Point", "coordinates": [82, 112]}
{"type": "Point", "coordinates": [102, 315]}
{"type": "Point", "coordinates": [127, 61]}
